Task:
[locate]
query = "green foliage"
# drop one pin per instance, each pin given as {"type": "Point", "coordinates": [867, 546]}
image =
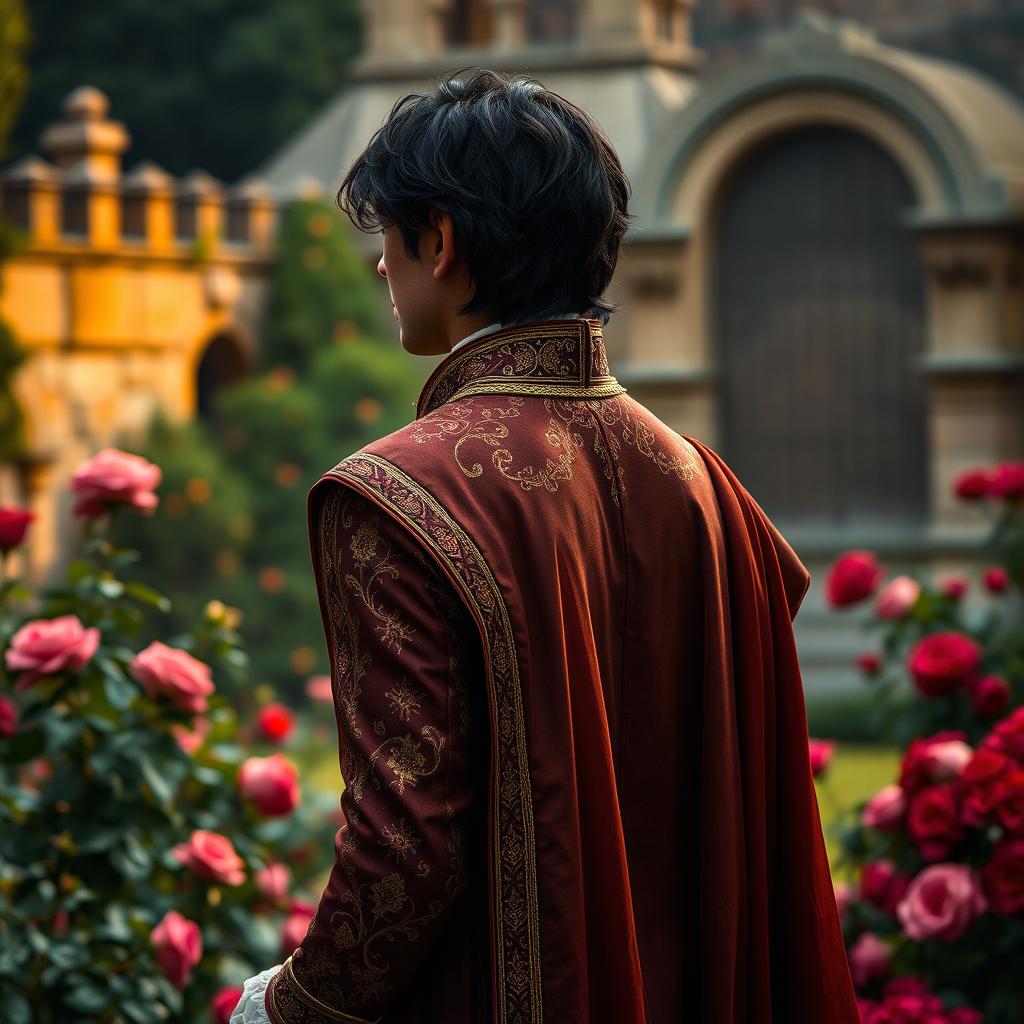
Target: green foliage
{"type": "Point", "coordinates": [198, 84]}
{"type": "Point", "coordinates": [320, 283]}
{"type": "Point", "coordinates": [95, 793]}
{"type": "Point", "coordinates": [15, 38]}
{"type": "Point", "coordinates": [236, 484]}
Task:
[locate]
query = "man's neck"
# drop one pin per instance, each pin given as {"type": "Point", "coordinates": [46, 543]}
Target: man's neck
{"type": "Point", "coordinates": [496, 326]}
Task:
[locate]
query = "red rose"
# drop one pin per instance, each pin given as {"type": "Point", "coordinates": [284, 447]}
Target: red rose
{"type": "Point", "coordinates": [955, 588]}
{"type": "Point", "coordinates": [8, 718]}
{"type": "Point", "coordinates": [996, 579]}
{"type": "Point", "coordinates": [821, 754]}
{"type": "Point", "coordinates": [271, 783]}
{"type": "Point", "coordinates": [964, 1015]}
{"type": "Point", "coordinates": [1007, 480]}
{"type": "Point", "coordinates": [224, 1002]}
{"type": "Point", "coordinates": [882, 885]}
{"type": "Point", "coordinates": [171, 672]}
{"type": "Point", "coordinates": [1010, 806]}
{"type": "Point", "coordinates": [928, 760]}
{"type": "Point", "coordinates": [852, 577]}
{"type": "Point", "coordinates": [933, 821]}
{"type": "Point", "coordinates": [1003, 878]}
{"type": "Point", "coordinates": [1007, 736]}
{"type": "Point", "coordinates": [989, 696]}
{"type": "Point", "coordinates": [113, 477]}
{"type": "Point", "coordinates": [869, 662]}
{"type": "Point", "coordinates": [972, 485]}
{"type": "Point", "coordinates": [179, 946]}
{"type": "Point", "coordinates": [14, 523]}
{"type": "Point", "coordinates": [982, 790]}
{"type": "Point", "coordinates": [275, 721]}
{"type": "Point", "coordinates": [941, 662]}
{"type": "Point", "coordinates": [47, 646]}
{"type": "Point", "coordinates": [211, 855]}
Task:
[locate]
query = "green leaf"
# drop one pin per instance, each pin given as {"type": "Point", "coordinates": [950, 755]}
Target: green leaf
{"type": "Point", "coordinates": [161, 789]}
{"type": "Point", "coordinates": [147, 595]}
{"type": "Point", "coordinates": [87, 997]}
{"type": "Point", "coordinates": [23, 746]}
{"type": "Point", "coordinates": [16, 1009]}
{"type": "Point", "coordinates": [110, 588]}
{"type": "Point", "coordinates": [119, 690]}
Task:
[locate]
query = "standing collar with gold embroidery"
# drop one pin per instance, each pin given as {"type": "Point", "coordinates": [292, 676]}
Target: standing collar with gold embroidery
{"type": "Point", "coordinates": [564, 358]}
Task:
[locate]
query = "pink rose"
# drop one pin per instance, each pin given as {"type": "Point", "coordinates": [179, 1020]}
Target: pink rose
{"type": "Point", "coordinates": [990, 696]}
{"type": "Point", "coordinates": [113, 477]}
{"type": "Point", "coordinates": [870, 959]}
{"type": "Point", "coordinates": [1007, 480]}
{"type": "Point", "coordinates": [173, 673]}
{"type": "Point", "coordinates": [47, 646]}
{"type": "Point", "coordinates": [190, 740]}
{"type": "Point", "coordinates": [996, 579]}
{"type": "Point", "coordinates": [211, 855]}
{"type": "Point", "coordinates": [296, 926]}
{"type": "Point", "coordinates": [14, 523]}
{"type": "Point", "coordinates": [954, 588]}
{"type": "Point", "coordinates": [921, 765]}
{"type": "Point", "coordinates": [271, 783]}
{"type": "Point", "coordinates": [179, 946]}
{"type": "Point", "coordinates": [273, 882]}
{"type": "Point", "coordinates": [941, 903]}
{"type": "Point", "coordinates": [223, 1004]}
{"type": "Point", "coordinates": [941, 662]}
{"type": "Point", "coordinates": [8, 718]}
{"type": "Point", "coordinates": [852, 577]}
{"type": "Point", "coordinates": [885, 809]}
{"type": "Point", "coordinates": [821, 754]}
{"type": "Point", "coordinates": [972, 485]}
{"type": "Point", "coordinates": [897, 598]}
{"type": "Point", "coordinates": [319, 688]}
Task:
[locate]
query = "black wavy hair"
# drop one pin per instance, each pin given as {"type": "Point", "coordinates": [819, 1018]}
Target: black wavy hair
{"type": "Point", "coordinates": [536, 193]}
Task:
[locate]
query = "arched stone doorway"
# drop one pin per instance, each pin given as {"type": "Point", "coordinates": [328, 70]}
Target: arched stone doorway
{"type": "Point", "coordinates": [222, 363]}
{"type": "Point", "coordinates": [817, 327]}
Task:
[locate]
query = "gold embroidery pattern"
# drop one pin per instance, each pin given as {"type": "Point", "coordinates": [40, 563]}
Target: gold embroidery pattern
{"type": "Point", "coordinates": [288, 1000]}
{"type": "Point", "coordinates": [370, 913]}
{"type": "Point", "coordinates": [467, 421]}
{"type": "Point", "coordinates": [566, 358]}
{"type": "Point", "coordinates": [517, 922]}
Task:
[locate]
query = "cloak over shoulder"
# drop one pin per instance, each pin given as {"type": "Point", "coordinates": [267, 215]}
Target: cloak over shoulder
{"type": "Point", "coordinates": [654, 847]}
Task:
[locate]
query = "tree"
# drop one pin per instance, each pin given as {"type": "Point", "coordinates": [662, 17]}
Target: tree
{"type": "Point", "coordinates": [218, 85]}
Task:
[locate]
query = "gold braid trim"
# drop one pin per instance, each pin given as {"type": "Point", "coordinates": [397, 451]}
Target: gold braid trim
{"type": "Point", "coordinates": [515, 909]}
{"type": "Point", "coordinates": [289, 1002]}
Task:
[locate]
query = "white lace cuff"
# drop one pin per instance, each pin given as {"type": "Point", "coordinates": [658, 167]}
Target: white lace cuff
{"type": "Point", "coordinates": [250, 1008]}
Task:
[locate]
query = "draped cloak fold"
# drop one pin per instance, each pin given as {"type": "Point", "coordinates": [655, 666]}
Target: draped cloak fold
{"type": "Point", "coordinates": [654, 846]}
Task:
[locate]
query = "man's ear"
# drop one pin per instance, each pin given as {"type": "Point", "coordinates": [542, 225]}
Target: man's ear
{"type": "Point", "coordinates": [444, 255]}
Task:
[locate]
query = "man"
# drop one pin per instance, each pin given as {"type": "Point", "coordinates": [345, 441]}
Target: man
{"type": "Point", "coordinates": [571, 722]}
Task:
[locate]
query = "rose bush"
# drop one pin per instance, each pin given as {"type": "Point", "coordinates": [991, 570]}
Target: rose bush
{"type": "Point", "coordinates": [934, 921]}
{"type": "Point", "coordinates": [143, 837]}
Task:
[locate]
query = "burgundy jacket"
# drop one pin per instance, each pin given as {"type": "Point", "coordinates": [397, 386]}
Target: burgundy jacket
{"type": "Point", "coordinates": [571, 720]}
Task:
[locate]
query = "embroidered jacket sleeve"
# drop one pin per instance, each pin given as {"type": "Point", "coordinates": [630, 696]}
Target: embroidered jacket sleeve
{"type": "Point", "coordinates": [402, 649]}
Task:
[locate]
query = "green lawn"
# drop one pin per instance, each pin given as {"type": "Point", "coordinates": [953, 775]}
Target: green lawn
{"type": "Point", "coordinates": [856, 772]}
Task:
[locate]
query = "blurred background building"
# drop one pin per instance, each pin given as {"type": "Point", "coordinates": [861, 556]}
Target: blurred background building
{"type": "Point", "coordinates": [823, 282]}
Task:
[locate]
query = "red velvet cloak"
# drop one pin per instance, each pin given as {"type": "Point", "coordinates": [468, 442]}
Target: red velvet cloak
{"type": "Point", "coordinates": [654, 846]}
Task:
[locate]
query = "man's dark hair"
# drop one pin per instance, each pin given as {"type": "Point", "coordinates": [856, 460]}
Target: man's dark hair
{"type": "Point", "coordinates": [536, 193]}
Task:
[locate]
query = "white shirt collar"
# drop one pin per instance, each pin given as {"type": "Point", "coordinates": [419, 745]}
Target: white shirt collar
{"type": "Point", "coordinates": [491, 328]}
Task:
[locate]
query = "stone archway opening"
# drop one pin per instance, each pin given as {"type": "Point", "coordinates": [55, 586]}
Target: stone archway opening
{"type": "Point", "coordinates": [222, 364]}
{"type": "Point", "coordinates": [817, 321]}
